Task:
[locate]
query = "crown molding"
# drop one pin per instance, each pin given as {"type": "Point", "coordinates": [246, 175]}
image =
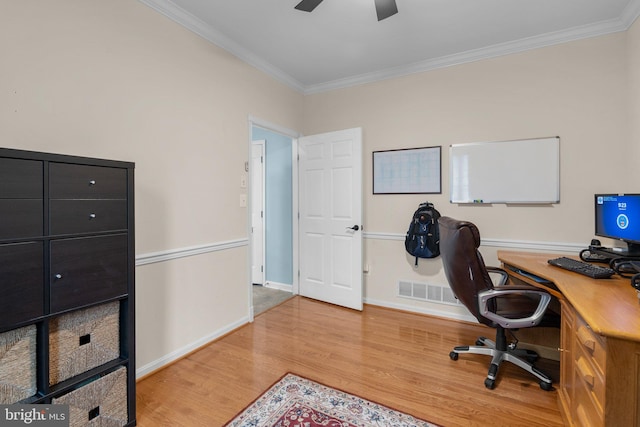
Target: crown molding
{"type": "Point", "coordinates": [192, 23]}
{"type": "Point", "coordinates": [501, 49]}
{"type": "Point", "coordinates": [630, 13]}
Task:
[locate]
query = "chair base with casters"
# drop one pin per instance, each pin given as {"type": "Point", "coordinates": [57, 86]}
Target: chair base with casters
{"type": "Point", "coordinates": [501, 351]}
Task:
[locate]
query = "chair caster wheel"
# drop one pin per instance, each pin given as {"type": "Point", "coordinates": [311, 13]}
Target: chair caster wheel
{"type": "Point", "coordinates": [479, 342]}
{"type": "Point", "coordinates": [532, 356]}
{"type": "Point", "coordinates": [453, 355]}
{"type": "Point", "coordinates": [546, 386]}
{"type": "Point", "coordinates": [489, 383]}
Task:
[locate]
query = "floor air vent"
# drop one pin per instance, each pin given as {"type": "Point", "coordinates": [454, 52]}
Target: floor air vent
{"type": "Point", "coordinates": [425, 292]}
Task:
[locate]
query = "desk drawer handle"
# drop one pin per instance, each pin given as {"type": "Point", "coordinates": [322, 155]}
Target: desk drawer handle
{"type": "Point", "coordinates": [585, 338]}
{"type": "Point", "coordinates": [585, 372]}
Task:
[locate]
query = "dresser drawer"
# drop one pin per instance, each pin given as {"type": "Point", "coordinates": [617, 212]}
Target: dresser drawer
{"type": "Point", "coordinates": [87, 216]}
{"type": "Point", "coordinates": [20, 218]}
{"type": "Point", "coordinates": [69, 181]}
{"type": "Point", "coordinates": [20, 179]}
{"type": "Point", "coordinates": [87, 270]}
{"type": "Point", "coordinates": [592, 345]}
{"type": "Point", "coordinates": [21, 283]}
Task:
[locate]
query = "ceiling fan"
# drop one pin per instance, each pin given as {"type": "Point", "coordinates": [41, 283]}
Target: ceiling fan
{"type": "Point", "coordinates": [384, 8]}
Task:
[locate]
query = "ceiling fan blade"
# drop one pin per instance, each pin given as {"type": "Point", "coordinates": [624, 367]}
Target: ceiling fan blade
{"type": "Point", "coordinates": [308, 5]}
{"type": "Point", "coordinates": [386, 8]}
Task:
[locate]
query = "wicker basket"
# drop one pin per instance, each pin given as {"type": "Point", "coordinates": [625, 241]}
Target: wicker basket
{"type": "Point", "coordinates": [17, 364]}
{"type": "Point", "coordinates": [101, 403]}
{"type": "Point", "coordinates": [82, 340]}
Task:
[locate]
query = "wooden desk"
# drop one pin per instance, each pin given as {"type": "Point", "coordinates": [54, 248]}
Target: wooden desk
{"type": "Point", "coordinates": [600, 341]}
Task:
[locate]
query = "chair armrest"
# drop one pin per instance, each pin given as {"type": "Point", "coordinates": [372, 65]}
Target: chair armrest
{"type": "Point", "coordinates": [532, 320]}
{"type": "Point", "coordinates": [503, 276]}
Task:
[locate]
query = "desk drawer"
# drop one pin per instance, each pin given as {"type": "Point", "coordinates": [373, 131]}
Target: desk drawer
{"type": "Point", "coordinates": [588, 410]}
{"type": "Point", "coordinates": [589, 380]}
{"type": "Point", "coordinates": [87, 270]}
{"type": "Point", "coordinates": [592, 345]}
{"type": "Point", "coordinates": [87, 216]}
{"type": "Point", "coordinates": [68, 181]}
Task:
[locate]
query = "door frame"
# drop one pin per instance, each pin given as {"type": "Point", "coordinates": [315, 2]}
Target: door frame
{"type": "Point", "coordinates": [294, 135]}
{"type": "Point", "coordinates": [257, 180]}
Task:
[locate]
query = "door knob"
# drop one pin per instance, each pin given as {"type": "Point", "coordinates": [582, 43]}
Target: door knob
{"type": "Point", "coordinates": [354, 228]}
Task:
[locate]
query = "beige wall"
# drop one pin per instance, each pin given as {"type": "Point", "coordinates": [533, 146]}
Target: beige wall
{"type": "Point", "coordinates": [115, 79]}
{"type": "Point", "coordinates": [575, 90]}
{"type": "Point", "coordinates": [633, 156]}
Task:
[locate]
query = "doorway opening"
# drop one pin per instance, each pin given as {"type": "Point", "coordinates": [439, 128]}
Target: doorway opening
{"type": "Point", "coordinates": [272, 215]}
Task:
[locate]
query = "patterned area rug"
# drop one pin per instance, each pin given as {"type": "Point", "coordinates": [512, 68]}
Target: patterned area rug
{"type": "Point", "coordinates": [298, 402]}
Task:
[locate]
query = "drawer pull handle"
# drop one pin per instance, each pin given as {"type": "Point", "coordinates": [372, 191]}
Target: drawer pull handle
{"type": "Point", "coordinates": [92, 182]}
{"type": "Point", "coordinates": [585, 338]}
{"type": "Point", "coordinates": [92, 216]}
{"type": "Point", "coordinates": [585, 373]}
{"type": "Point", "coordinates": [58, 276]}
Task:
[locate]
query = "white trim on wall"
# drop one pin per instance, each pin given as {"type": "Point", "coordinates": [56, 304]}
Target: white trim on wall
{"type": "Point", "coordinates": [421, 310]}
{"type": "Point", "coordinates": [153, 257]}
{"type": "Point", "coordinates": [181, 352]}
{"type": "Point", "coordinates": [498, 243]}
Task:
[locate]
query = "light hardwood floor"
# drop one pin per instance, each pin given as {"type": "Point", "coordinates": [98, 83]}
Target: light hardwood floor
{"type": "Point", "coordinates": [395, 358]}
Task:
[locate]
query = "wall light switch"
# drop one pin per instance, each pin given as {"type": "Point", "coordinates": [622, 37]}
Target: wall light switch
{"type": "Point", "coordinates": [243, 200]}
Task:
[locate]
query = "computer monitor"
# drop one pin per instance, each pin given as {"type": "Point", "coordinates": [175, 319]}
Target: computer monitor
{"type": "Point", "coordinates": [618, 217]}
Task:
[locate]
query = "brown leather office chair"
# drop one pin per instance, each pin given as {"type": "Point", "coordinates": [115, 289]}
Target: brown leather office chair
{"type": "Point", "coordinates": [501, 306]}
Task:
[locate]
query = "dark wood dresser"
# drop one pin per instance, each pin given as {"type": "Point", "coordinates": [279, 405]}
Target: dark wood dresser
{"type": "Point", "coordinates": [67, 270]}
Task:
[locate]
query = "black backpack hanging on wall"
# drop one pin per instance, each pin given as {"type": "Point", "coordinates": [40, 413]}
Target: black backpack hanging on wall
{"type": "Point", "coordinates": [423, 236]}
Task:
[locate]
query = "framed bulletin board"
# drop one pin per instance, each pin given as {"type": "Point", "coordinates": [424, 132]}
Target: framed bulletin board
{"type": "Point", "coordinates": [408, 171]}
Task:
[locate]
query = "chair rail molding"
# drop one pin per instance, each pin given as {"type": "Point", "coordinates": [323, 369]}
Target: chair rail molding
{"type": "Point", "coordinates": [496, 243]}
{"type": "Point", "coordinates": [169, 254]}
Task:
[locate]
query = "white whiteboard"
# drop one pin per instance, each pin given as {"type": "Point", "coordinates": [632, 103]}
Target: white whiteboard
{"type": "Point", "coordinates": [520, 171]}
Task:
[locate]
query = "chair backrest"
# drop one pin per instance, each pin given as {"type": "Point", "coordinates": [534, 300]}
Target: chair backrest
{"type": "Point", "coordinates": [463, 265]}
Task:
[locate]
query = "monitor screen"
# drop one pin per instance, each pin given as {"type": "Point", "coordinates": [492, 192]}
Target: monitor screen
{"type": "Point", "coordinates": [618, 217]}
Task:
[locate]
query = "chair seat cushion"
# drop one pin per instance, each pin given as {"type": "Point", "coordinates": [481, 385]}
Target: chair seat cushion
{"type": "Point", "coordinates": [518, 306]}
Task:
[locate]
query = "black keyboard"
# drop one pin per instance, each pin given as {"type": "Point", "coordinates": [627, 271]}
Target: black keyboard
{"type": "Point", "coordinates": [581, 267]}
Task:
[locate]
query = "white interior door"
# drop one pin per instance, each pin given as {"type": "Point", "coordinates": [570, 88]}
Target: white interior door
{"type": "Point", "coordinates": [330, 198]}
{"type": "Point", "coordinates": [257, 212]}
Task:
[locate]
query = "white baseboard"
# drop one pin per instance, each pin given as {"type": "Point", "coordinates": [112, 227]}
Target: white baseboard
{"type": "Point", "coordinates": [421, 310]}
{"type": "Point", "coordinates": [181, 352]}
{"type": "Point", "coordinates": [280, 286]}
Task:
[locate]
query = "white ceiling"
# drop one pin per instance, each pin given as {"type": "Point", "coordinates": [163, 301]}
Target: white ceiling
{"type": "Point", "coordinates": [341, 43]}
